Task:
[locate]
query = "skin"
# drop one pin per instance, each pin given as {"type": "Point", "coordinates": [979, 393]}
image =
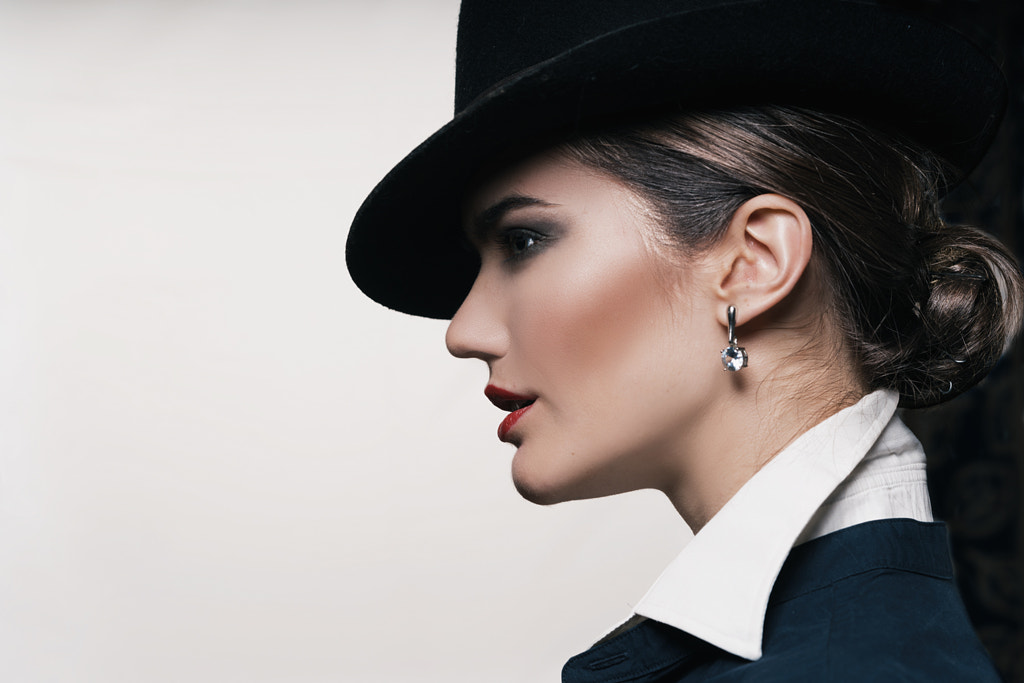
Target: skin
{"type": "Point", "coordinates": [619, 340]}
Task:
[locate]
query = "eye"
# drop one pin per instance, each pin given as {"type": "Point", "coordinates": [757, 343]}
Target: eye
{"type": "Point", "coordinates": [518, 243]}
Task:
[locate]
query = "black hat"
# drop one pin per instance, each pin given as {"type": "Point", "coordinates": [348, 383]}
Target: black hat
{"type": "Point", "coordinates": [528, 70]}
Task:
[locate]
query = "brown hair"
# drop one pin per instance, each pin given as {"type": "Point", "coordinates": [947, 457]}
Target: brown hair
{"type": "Point", "coordinates": [926, 308]}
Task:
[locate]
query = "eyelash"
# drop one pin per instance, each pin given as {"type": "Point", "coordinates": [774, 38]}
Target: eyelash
{"type": "Point", "coordinates": [507, 239]}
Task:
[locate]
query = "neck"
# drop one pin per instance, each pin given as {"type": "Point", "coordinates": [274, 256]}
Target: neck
{"type": "Point", "coordinates": [758, 412]}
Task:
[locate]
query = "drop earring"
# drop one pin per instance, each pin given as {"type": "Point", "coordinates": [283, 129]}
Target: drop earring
{"type": "Point", "coordinates": [734, 357]}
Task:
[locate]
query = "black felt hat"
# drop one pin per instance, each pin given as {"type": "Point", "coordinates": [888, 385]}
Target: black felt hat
{"type": "Point", "coordinates": [528, 70]}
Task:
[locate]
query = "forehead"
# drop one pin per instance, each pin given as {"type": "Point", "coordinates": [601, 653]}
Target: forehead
{"type": "Point", "coordinates": [543, 173]}
{"type": "Point", "coordinates": [545, 181]}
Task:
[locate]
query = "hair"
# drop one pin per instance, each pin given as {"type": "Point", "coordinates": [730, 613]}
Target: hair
{"type": "Point", "coordinates": [925, 307]}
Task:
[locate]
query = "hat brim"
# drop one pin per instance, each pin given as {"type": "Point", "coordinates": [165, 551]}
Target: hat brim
{"type": "Point", "coordinates": [405, 249]}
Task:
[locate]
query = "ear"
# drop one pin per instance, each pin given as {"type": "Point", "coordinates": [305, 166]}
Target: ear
{"type": "Point", "coordinates": [762, 256]}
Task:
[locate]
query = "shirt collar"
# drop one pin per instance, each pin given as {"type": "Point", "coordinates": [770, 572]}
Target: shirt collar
{"type": "Point", "coordinates": [717, 588]}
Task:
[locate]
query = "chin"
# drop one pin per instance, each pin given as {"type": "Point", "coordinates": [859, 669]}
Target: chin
{"type": "Point", "coordinates": [537, 488]}
{"type": "Point", "coordinates": [538, 495]}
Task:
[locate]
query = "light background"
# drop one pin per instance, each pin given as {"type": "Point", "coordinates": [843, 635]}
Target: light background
{"type": "Point", "coordinates": [218, 461]}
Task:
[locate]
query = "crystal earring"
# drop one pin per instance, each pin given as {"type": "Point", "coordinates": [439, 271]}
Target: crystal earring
{"type": "Point", "coordinates": [734, 357]}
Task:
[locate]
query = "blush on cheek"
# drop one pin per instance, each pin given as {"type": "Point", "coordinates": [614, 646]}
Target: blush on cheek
{"type": "Point", "coordinates": [607, 307]}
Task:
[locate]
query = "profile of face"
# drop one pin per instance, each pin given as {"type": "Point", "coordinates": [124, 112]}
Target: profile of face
{"type": "Point", "coordinates": [600, 339]}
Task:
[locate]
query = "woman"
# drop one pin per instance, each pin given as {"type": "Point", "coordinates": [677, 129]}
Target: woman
{"type": "Point", "coordinates": [627, 193]}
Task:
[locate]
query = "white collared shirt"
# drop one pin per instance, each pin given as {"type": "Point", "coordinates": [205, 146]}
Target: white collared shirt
{"type": "Point", "coordinates": [859, 465]}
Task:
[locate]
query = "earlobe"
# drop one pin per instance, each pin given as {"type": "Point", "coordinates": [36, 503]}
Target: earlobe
{"type": "Point", "coordinates": [763, 255]}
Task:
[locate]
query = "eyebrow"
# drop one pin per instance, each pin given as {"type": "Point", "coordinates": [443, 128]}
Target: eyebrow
{"type": "Point", "coordinates": [492, 215]}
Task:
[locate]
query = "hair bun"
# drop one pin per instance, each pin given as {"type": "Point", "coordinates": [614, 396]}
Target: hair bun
{"type": "Point", "coordinates": [971, 312]}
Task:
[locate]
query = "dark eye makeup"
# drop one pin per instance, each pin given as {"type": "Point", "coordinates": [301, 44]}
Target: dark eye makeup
{"type": "Point", "coordinates": [518, 243]}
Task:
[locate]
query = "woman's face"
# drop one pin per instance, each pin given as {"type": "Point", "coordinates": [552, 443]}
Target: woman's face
{"type": "Point", "coordinates": [614, 340]}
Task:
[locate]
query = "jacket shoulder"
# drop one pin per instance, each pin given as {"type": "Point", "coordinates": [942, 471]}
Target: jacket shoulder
{"type": "Point", "coordinates": [903, 625]}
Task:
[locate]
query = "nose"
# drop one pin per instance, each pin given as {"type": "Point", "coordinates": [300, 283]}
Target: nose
{"type": "Point", "coordinates": [477, 329]}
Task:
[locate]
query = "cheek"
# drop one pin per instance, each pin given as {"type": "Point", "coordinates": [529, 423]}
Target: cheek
{"type": "Point", "coordinates": [596, 326]}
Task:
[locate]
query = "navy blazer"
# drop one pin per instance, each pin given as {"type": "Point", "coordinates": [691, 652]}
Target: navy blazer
{"type": "Point", "coordinates": [873, 602]}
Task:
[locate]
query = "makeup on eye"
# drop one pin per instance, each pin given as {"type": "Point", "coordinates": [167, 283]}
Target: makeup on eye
{"type": "Point", "coordinates": [518, 243]}
{"type": "Point", "coordinates": [507, 213]}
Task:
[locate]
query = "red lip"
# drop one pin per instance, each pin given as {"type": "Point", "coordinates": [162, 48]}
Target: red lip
{"type": "Point", "coordinates": [518, 404]}
{"type": "Point", "coordinates": [509, 423]}
{"type": "Point", "coordinates": [505, 399]}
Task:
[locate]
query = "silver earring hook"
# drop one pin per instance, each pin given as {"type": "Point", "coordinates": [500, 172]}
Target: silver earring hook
{"type": "Point", "coordinates": [731, 314]}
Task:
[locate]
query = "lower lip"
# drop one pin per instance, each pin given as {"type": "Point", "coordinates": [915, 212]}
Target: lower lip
{"type": "Point", "coordinates": [509, 423]}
